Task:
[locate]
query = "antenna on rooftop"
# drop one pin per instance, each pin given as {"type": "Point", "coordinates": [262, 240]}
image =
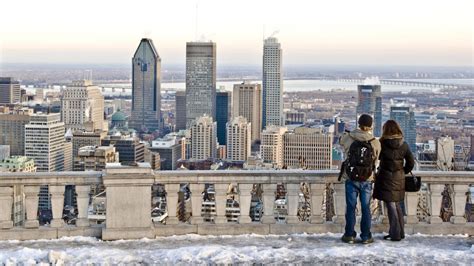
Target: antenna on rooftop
{"type": "Point", "coordinates": [275, 33]}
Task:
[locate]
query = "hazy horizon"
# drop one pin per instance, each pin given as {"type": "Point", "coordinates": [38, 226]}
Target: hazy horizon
{"type": "Point", "coordinates": [362, 33]}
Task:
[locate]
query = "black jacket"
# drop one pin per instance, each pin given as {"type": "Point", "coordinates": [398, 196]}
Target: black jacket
{"type": "Point", "coordinates": [396, 160]}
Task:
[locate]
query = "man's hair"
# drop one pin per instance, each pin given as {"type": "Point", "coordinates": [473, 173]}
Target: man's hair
{"type": "Point", "coordinates": [365, 122]}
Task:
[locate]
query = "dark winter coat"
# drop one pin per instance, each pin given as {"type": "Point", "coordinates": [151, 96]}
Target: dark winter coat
{"type": "Point", "coordinates": [396, 160]}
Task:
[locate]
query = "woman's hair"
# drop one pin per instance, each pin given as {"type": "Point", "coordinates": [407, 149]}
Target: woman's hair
{"type": "Point", "coordinates": [391, 128]}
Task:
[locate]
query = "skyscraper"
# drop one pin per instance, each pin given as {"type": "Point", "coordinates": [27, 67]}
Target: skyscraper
{"type": "Point", "coordinates": [272, 80]}
{"type": "Point", "coordinates": [239, 133]}
{"type": "Point", "coordinates": [44, 142]}
{"type": "Point", "coordinates": [405, 117]}
{"type": "Point", "coordinates": [203, 138]}
{"type": "Point", "coordinates": [180, 104]}
{"type": "Point", "coordinates": [146, 84]}
{"type": "Point", "coordinates": [370, 102]}
{"type": "Point", "coordinates": [10, 91]}
{"type": "Point", "coordinates": [223, 105]}
{"type": "Point", "coordinates": [247, 102]}
{"type": "Point", "coordinates": [12, 129]}
{"type": "Point", "coordinates": [200, 80]}
{"type": "Point", "coordinates": [82, 102]}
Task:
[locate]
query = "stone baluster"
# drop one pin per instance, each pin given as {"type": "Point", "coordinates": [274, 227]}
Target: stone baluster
{"type": "Point", "coordinates": [459, 204]}
{"type": "Point", "coordinates": [83, 197]}
{"type": "Point", "coordinates": [6, 204]}
{"type": "Point", "coordinates": [317, 196]}
{"type": "Point", "coordinates": [57, 205]}
{"type": "Point", "coordinates": [293, 191]}
{"type": "Point", "coordinates": [196, 203]}
{"type": "Point", "coordinates": [436, 197]}
{"type": "Point", "coordinates": [245, 201]}
{"type": "Point", "coordinates": [339, 203]}
{"type": "Point", "coordinates": [221, 202]}
{"type": "Point", "coordinates": [269, 203]}
{"type": "Point", "coordinates": [172, 202]}
{"type": "Point", "coordinates": [411, 205]}
{"type": "Point", "coordinates": [31, 203]}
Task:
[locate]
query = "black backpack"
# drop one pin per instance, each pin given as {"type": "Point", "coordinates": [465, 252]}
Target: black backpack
{"type": "Point", "coordinates": [360, 161]}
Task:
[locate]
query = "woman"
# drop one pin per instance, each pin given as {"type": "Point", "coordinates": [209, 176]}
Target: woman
{"type": "Point", "coordinates": [396, 160]}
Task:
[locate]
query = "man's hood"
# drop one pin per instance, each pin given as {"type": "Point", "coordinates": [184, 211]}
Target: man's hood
{"type": "Point", "coordinates": [361, 135]}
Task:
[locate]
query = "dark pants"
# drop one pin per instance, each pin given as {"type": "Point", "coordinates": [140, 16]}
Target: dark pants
{"type": "Point", "coordinates": [355, 189]}
{"type": "Point", "coordinates": [395, 218]}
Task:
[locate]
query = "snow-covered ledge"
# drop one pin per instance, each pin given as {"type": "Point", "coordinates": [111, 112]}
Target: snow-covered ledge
{"type": "Point", "coordinates": [128, 192]}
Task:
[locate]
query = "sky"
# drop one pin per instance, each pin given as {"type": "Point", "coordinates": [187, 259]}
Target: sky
{"type": "Point", "coordinates": [312, 32]}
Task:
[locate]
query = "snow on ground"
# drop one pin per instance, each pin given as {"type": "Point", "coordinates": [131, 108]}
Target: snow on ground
{"type": "Point", "coordinates": [244, 249]}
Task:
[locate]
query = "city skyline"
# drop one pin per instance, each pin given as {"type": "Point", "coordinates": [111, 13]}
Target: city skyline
{"type": "Point", "coordinates": [439, 33]}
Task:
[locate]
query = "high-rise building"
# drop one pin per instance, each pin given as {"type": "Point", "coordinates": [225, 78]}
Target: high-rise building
{"type": "Point", "coordinates": [271, 148]}
{"type": "Point", "coordinates": [370, 102]}
{"type": "Point", "coordinates": [44, 142]}
{"type": "Point", "coordinates": [146, 84]}
{"type": "Point", "coordinates": [180, 105]}
{"type": "Point", "coordinates": [295, 118]}
{"type": "Point", "coordinates": [170, 150]}
{"type": "Point", "coordinates": [93, 158]}
{"type": "Point", "coordinates": [239, 139]}
{"type": "Point", "coordinates": [12, 129]}
{"type": "Point", "coordinates": [307, 148]}
{"type": "Point", "coordinates": [4, 151]}
{"type": "Point", "coordinates": [405, 117]}
{"type": "Point", "coordinates": [130, 149]}
{"type": "Point", "coordinates": [247, 102]}
{"type": "Point", "coordinates": [200, 80]}
{"type": "Point", "coordinates": [82, 102]}
{"type": "Point", "coordinates": [223, 109]}
{"type": "Point", "coordinates": [272, 81]}
{"type": "Point", "coordinates": [10, 91]}
{"type": "Point", "coordinates": [83, 138]}
{"type": "Point", "coordinates": [68, 158]}
{"type": "Point", "coordinates": [203, 138]}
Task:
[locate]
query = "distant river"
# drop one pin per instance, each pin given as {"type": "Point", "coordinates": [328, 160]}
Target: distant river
{"type": "Point", "coordinates": [297, 85]}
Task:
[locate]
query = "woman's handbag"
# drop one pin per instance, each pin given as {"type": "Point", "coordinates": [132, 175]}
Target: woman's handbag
{"type": "Point", "coordinates": [412, 183]}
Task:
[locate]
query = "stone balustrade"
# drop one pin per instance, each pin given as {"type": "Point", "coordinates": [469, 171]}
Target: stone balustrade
{"type": "Point", "coordinates": [129, 198]}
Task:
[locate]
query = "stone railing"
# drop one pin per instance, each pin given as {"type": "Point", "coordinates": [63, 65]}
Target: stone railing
{"type": "Point", "coordinates": [129, 197]}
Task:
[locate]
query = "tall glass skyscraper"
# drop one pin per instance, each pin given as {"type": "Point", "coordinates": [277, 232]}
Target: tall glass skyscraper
{"type": "Point", "coordinates": [405, 117]}
{"type": "Point", "coordinates": [200, 80]}
{"type": "Point", "coordinates": [223, 104]}
{"type": "Point", "coordinates": [272, 81]}
{"type": "Point", "coordinates": [146, 84]}
{"type": "Point", "coordinates": [370, 102]}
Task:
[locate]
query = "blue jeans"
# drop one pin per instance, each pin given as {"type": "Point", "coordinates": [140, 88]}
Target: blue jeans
{"type": "Point", "coordinates": [353, 190]}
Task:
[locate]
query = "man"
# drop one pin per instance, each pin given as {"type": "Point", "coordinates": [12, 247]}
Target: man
{"type": "Point", "coordinates": [362, 152]}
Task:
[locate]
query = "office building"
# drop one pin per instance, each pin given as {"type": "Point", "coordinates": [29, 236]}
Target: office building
{"type": "Point", "coordinates": [271, 148]}
{"type": "Point", "coordinates": [405, 117]}
{"type": "Point", "coordinates": [83, 138]}
{"type": "Point", "coordinates": [307, 148]}
{"type": "Point", "coordinates": [130, 149]}
{"type": "Point", "coordinates": [370, 102]}
{"type": "Point", "coordinates": [180, 105]}
{"type": "Point", "coordinates": [82, 102]}
{"type": "Point", "coordinates": [200, 80]}
{"type": "Point", "coordinates": [12, 129]}
{"type": "Point", "coordinates": [203, 138]}
{"type": "Point", "coordinates": [239, 139]}
{"type": "Point", "coordinates": [247, 102]}
{"type": "Point", "coordinates": [146, 87]}
{"type": "Point", "coordinates": [68, 156]}
{"type": "Point", "coordinates": [272, 81]}
{"type": "Point", "coordinates": [223, 109]}
{"type": "Point", "coordinates": [44, 142]}
{"type": "Point", "coordinates": [94, 158]}
{"type": "Point", "coordinates": [170, 150]}
{"type": "Point", "coordinates": [10, 92]}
